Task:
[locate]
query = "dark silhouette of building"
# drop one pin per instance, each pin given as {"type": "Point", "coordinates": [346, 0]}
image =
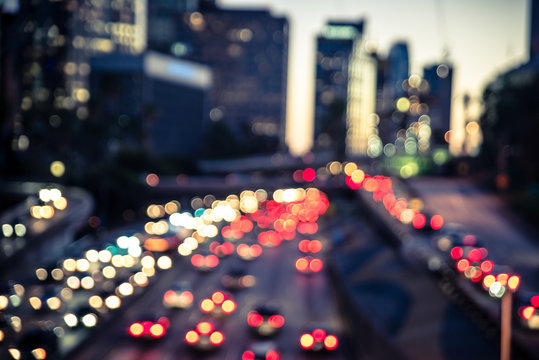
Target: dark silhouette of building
{"type": "Point", "coordinates": [247, 51]}
{"type": "Point", "coordinates": [397, 71]}
{"type": "Point", "coordinates": [438, 98]}
{"type": "Point", "coordinates": [160, 98]}
{"type": "Point", "coordinates": [46, 54]}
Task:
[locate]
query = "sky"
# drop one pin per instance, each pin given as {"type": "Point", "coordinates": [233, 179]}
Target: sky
{"type": "Point", "coordinates": [483, 38]}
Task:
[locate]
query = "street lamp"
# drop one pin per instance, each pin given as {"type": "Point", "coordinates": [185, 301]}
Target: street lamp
{"type": "Point", "coordinates": [503, 287]}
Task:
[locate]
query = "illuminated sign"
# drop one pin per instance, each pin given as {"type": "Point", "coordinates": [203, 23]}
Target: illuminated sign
{"type": "Point", "coordinates": [178, 71]}
{"type": "Point", "coordinates": [340, 32]}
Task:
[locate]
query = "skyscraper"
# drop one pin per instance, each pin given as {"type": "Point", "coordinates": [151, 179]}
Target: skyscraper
{"type": "Point", "coordinates": [397, 71]}
{"type": "Point", "coordinates": [344, 90]}
{"type": "Point", "coordinates": [247, 51]}
{"type": "Point", "coordinates": [438, 98]}
{"type": "Point", "coordinates": [49, 70]}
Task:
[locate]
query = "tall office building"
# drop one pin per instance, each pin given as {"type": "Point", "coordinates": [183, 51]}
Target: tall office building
{"type": "Point", "coordinates": [152, 100]}
{"type": "Point", "coordinates": [334, 47]}
{"type": "Point", "coordinates": [345, 89]}
{"type": "Point", "coordinates": [247, 51]}
{"type": "Point", "coordinates": [397, 71]}
{"type": "Point", "coordinates": [438, 98]}
{"type": "Point", "coordinates": [49, 70]}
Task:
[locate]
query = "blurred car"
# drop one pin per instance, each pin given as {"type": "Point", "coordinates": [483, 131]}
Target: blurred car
{"type": "Point", "coordinates": [222, 249]}
{"type": "Point", "coordinates": [307, 246]}
{"type": "Point", "coordinates": [36, 343]}
{"type": "Point", "coordinates": [261, 350]}
{"type": "Point", "coordinates": [204, 262]}
{"type": "Point", "coordinates": [149, 327]}
{"type": "Point", "coordinates": [204, 336]}
{"type": "Point", "coordinates": [527, 304]}
{"type": "Point", "coordinates": [249, 252]}
{"type": "Point", "coordinates": [180, 295]}
{"type": "Point", "coordinates": [11, 295]}
{"type": "Point", "coordinates": [318, 339]}
{"type": "Point", "coordinates": [47, 298]}
{"type": "Point", "coordinates": [309, 265]}
{"type": "Point", "coordinates": [84, 316]}
{"type": "Point", "coordinates": [237, 279]}
{"type": "Point", "coordinates": [9, 326]}
{"type": "Point", "coordinates": [218, 304]}
{"type": "Point", "coordinates": [265, 320]}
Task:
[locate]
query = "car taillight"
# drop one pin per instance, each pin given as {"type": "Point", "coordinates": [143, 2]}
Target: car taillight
{"type": "Point", "coordinates": [217, 338]}
{"type": "Point", "coordinates": [186, 297]}
{"type": "Point", "coordinates": [272, 355]}
{"type": "Point", "coordinates": [319, 335]}
{"type": "Point", "coordinates": [248, 355]}
{"type": "Point", "coordinates": [255, 250]}
{"type": "Point", "coordinates": [207, 305]}
{"type": "Point", "coordinates": [197, 260]}
{"type": "Point", "coordinates": [212, 261]}
{"type": "Point", "coordinates": [204, 327]}
{"type": "Point", "coordinates": [302, 264]}
{"type": "Point", "coordinates": [304, 245]}
{"type": "Point", "coordinates": [39, 354]}
{"type": "Point", "coordinates": [169, 296]}
{"type": "Point", "coordinates": [276, 321]}
{"type": "Point", "coordinates": [306, 341]}
{"type": "Point", "coordinates": [228, 306]}
{"type": "Point", "coordinates": [157, 330]}
{"type": "Point", "coordinates": [527, 312]}
{"type": "Point", "coordinates": [218, 297]}
{"type": "Point", "coordinates": [136, 329]}
{"type": "Point", "coordinates": [316, 265]}
{"type": "Point", "coordinates": [331, 342]}
{"type": "Point", "coordinates": [192, 337]}
{"type": "Point", "coordinates": [254, 319]}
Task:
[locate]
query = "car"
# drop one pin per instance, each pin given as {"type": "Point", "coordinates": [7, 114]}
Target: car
{"type": "Point", "coordinates": [307, 246]}
{"type": "Point", "coordinates": [9, 326]}
{"type": "Point", "coordinates": [309, 265]}
{"type": "Point", "coordinates": [179, 296]}
{"type": "Point", "coordinates": [47, 298]}
{"type": "Point", "coordinates": [204, 262]}
{"type": "Point", "coordinates": [265, 320]}
{"type": "Point", "coordinates": [84, 316]}
{"type": "Point", "coordinates": [222, 249]}
{"type": "Point", "coordinates": [248, 252]}
{"type": "Point", "coordinates": [149, 327]}
{"type": "Point", "coordinates": [318, 339]}
{"type": "Point", "coordinates": [237, 279]}
{"type": "Point", "coordinates": [11, 295]}
{"type": "Point", "coordinates": [262, 350]}
{"type": "Point", "coordinates": [204, 336]}
{"type": "Point", "coordinates": [35, 343]}
{"type": "Point", "coordinates": [219, 304]}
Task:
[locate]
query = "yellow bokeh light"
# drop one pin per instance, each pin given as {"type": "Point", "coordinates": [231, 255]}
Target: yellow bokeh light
{"type": "Point", "coordinates": [403, 104]}
{"type": "Point", "coordinates": [350, 168]}
{"type": "Point", "coordinates": [57, 168]}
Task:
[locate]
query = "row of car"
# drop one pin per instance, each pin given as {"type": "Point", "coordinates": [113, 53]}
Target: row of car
{"type": "Point", "coordinates": [265, 321]}
{"type": "Point", "coordinates": [453, 251]}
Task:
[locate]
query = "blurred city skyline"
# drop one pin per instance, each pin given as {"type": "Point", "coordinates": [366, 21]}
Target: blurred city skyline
{"type": "Point", "coordinates": [469, 35]}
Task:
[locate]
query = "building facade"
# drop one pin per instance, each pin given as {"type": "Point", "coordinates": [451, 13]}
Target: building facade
{"type": "Point", "coordinates": [247, 51]}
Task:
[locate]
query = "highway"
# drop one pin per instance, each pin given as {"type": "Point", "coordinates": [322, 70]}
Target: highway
{"type": "Point", "coordinates": [377, 296]}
